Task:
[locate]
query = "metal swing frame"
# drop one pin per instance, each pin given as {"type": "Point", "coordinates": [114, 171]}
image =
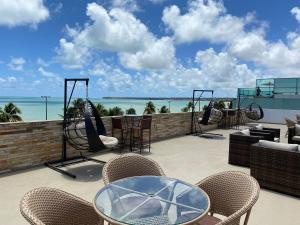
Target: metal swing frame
{"type": "Point", "coordinates": [194, 120]}
{"type": "Point", "coordinates": [65, 160]}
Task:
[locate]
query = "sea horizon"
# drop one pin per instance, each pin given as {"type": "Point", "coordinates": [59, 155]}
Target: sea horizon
{"type": "Point", "coordinates": [34, 108]}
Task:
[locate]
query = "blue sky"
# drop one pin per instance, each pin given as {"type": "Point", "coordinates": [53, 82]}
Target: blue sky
{"type": "Point", "coordinates": [146, 47]}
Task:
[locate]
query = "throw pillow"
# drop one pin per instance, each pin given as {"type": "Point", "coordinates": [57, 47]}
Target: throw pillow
{"type": "Point", "coordinates": [279, 146]}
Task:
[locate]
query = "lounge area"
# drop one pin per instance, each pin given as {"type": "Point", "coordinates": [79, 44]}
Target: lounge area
{"type": "Point", "coordinates": [188, 158]}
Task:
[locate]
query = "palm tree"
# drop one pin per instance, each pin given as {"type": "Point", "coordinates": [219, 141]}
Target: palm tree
{"type": "Point", "coordinates": [101, 110]}
{"type": "Point", "coordinates": [219, 105]}
{"type": "Point", "coordinates": [188, 107]}
{"type": "Point", "coordinates": [10, 113]}
{"type": "Point", "coordinates": [131, 111]}
{"type": "Point", "coordinates": [77, 108]}
{"type": "Point", "coordinates": [164, 109]}
{"type": "Point", "coordinates": [115, 111]}
{"type": "Point", "coordinates": [150, 108]}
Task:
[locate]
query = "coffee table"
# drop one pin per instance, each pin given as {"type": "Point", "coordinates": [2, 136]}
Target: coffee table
{"type": "Point", "coordinates": [149, 200]}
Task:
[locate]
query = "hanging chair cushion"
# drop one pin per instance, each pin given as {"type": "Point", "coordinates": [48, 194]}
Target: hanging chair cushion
{"type": "Point", "coordinates": [109, 142]}
{"type": "Point", "coordinates": [252, 115]}
{"type": "Point", "coordinates": [259, 127]}
{"type": "Point", "coordinates": [215, 116]}
{"type": "Point", "coordinates": [76, 134]}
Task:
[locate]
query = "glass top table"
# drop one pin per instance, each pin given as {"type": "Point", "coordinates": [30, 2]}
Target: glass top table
{"type": "Point", "coordinates": [151, 200]}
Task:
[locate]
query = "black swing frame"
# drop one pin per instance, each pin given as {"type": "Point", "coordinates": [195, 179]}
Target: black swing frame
{"type": "Point", "coordinates": [65, 160]}
{"type": "Point", "coordinates": [195, 100]}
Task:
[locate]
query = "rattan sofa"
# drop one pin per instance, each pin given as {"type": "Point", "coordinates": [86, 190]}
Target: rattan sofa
{"type": "Point", "coordinates": [292, 138]}
{"type": "Point", "coordinates": [274, 169]}
{"type": "Point", "coordinates": [239, 146]}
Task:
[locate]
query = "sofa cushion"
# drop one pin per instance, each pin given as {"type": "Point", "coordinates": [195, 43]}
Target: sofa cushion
{"type": "Point", "coordinates": [279, 146]}
{"type": "Point", "coordinates": [245, 132]}
{"type": "Point", "coordinates": [259, 127]}
{"type": "Point", "coordinates": [296, 138]}
{"type": "Point", "coordinates": [297, 130]}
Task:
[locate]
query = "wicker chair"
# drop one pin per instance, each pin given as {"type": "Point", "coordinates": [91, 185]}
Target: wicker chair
{"type": "Point", "coordinates": [129, 165]}
{"type": "Point", "coordinates": [232, 194]}
{"type": "Point", "coordinates": [49, 206]}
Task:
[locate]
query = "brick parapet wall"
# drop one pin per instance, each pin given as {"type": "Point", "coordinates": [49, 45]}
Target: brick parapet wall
{"type": "Point", "coordinates": [26, 144]}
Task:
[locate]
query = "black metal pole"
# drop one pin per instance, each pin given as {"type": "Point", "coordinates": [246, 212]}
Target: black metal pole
{"type": "Point", "coordinates": [192, 121]}
{"type": "Point", "coordinates": [46, 104]}
{"type": "Point", "coordinates": [64, 151]}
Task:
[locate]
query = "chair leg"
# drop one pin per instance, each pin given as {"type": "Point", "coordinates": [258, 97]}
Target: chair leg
{"type": "Point", "coordinates": [149, 140]}
{"type": "Point", "coordinates": [247, 217]}
{"type": "Point", "coordinates": [141, 141]}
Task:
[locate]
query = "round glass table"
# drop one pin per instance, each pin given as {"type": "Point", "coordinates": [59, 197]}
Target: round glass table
{"type": "Point", "coordinates": [151, 200]}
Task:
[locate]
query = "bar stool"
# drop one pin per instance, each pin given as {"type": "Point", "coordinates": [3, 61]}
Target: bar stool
{"type": "Point", "coordinates": [138, 133]}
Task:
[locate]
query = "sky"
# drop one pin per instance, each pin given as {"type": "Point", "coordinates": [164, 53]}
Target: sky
{"type": "Point", "coordinates": [151, 48]}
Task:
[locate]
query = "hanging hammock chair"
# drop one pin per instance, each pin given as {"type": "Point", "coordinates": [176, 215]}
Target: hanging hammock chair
{"type": "Point", "coordinates": [211, 115]}
{"type": "Point", "coordinates": [254, 112]}
{"type": "Point", "coordinates": [81, 133]}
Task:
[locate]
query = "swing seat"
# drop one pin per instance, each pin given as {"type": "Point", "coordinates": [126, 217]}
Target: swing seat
{"type": "Point", "coordinates": [109, 142]}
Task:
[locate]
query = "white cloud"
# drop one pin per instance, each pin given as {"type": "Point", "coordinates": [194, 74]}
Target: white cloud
{"type": "Point", "coordinates": [51, 78]}
{"type": "Point", "coordinates": [10, 82]}
{"type": "Point", "coordinates": [157, 1]}
{"type": "Point", "coordinates": [205, 20]}
{"type": "Point", "coordinates": [19, 12]}
{"type": "Point", "coordinates": [116, 31]}
{"type": "Point", "coordinates": [128, 5]}
{"type": "Point", "coordinates": [70, 55]}
{"type": "Point", "coordinates": [296, 12]}
{"type": "Point", "coordinates": [218, 71]}
{"type": "Point", "coordinates": [42, 62]}
{"type": "Point", "coordinates": [111, 79]}
{"type": "Point", "coordinates": [17, 63]}
{"type": "Point", "coordinates": [209, 21]}
{"type": "Point", "coordinates": [160, 55]}
{"type": "Point", "coordinates": [223, 71]}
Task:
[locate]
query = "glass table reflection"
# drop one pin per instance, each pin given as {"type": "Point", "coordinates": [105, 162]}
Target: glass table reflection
{"type": "Point", "coordinates": [151, 200]}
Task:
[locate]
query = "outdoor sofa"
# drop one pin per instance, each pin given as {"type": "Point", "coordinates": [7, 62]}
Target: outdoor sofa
{"type": "Point", "coordinates": [276, 166]}
{"type": "Point", "coordinates": [239, 146]}
{"type": "Point", "coordinates": [294, 134]}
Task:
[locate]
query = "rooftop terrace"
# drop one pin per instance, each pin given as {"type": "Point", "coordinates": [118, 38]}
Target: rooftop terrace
{"type": "Point", "coordinates": [188, 158]}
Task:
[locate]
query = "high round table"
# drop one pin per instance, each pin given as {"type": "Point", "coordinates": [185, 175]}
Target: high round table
{"type": "Point", "coordinates": [149, 200]}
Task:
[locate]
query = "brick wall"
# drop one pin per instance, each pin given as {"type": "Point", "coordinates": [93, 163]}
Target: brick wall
{"type": "Point", "coordinates": [27, 144]}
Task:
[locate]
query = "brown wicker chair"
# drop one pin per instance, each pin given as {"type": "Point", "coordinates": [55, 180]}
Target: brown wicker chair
{"type": "Point", "coordinates": [239, 146]}
{"type": "Point", "coordinates": [275, 169]}
{"type": "Point", "coordinates": [138, 133]}
{"type": "Point", "coordinates": [49, 206]}
{"type": "Point", "coordinates": [232, 194]}
{"type": "Point", "coordinates": [129, 165]}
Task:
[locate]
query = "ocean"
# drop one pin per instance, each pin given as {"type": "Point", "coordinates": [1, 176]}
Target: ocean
{"type": "Point", "coordinates": [33, 108]}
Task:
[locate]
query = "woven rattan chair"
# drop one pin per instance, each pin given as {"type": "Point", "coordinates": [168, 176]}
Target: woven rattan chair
{"type": "Point", "coordinates": [232, 194]}
{"type": "Point", "coordinates": [129, 165]}
{"type": "Point", "coordinates": [49, 206]}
